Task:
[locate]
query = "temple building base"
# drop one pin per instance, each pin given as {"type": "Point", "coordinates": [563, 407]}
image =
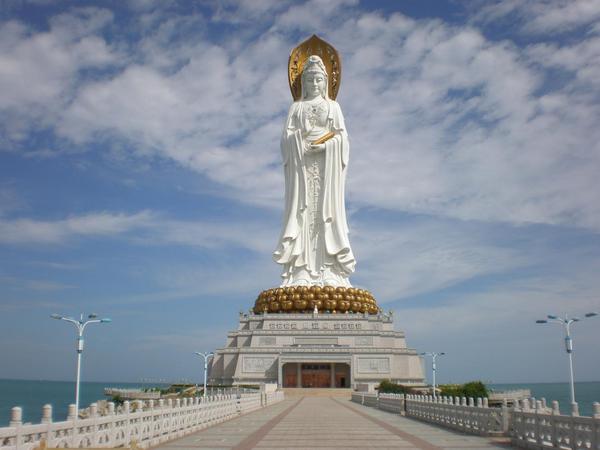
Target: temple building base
{"type": "Point", "coordinates": [324, 350]}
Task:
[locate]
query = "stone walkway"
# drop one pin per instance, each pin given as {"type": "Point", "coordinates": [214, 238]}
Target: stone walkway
{"type": "Point", "coordinates": [328, 423]}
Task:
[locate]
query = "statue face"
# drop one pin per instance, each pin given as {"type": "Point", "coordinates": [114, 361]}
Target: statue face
{"type": "Point", "coordinates": [314, 84]}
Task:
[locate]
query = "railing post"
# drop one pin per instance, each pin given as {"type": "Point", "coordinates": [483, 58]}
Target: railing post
{"type": "Point", "coordinates": [127, 431]}
{"type": "Point", "coordinates": [47, 419]}
{"type": "Point", "coordinates": [16, 417]}
{"type": "Point", "coordinates": [47, 413]}
{"type": "Point", "coordinates": [16, 420]}
{"type": "Point", "coordinates": [111, 425]}
{"type": "Point", "coordinates": [93, 413]}
{"type": "Point", "coordinates": [72, 412]}
{"type": "Point", "coordinates": [573, 433]}
{"type": "Point", "coordinates": [574, 409]}
{"type": "Point", "coordinates": [505, 415]}
{"type": "Point", "coordinates": [596, 410]}
{"type": "Point", "coordinates": [72, 416]}
{"type": "Point", "coordinates": [555, 412]}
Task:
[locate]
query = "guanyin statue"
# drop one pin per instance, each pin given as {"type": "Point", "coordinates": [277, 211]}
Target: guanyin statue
{"type": "Point", "coordinates": [313, 247]}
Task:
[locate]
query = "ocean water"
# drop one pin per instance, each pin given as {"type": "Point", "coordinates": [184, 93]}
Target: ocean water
{"type": "Point", "coordinates": [31, 395]}
{"type": "Point", "coordinates": [586, 393]}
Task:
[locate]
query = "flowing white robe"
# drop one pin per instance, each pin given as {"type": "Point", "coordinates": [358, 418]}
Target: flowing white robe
{"type": "Point", "coordinates": [313, 246]}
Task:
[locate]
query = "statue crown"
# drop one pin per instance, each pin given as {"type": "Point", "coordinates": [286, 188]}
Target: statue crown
{"type": "Point", "coordinates": [314, 64]}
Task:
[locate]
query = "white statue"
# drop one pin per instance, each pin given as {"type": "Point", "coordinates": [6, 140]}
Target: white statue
{"type": "Point", "coordinates": [313, 247]}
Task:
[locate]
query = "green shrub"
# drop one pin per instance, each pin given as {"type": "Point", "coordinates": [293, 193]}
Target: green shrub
{"type": "Point", "coordinates": [472, 389]}
{"type": "Point", "coordinates": [117, 400]}
{"type": "Point", "coordinates": [387, 387]}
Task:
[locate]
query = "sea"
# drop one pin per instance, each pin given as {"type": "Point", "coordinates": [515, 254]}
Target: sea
{"type": "Point", "coordinates": [586, 393]}
{"type": "Point", "coordinates": [32, 395]}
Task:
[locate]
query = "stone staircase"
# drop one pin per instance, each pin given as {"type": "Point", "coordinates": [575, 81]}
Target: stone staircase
{"type": "Point", "coordinates": [318, 392]}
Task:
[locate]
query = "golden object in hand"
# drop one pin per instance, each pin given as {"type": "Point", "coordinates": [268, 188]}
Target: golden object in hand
{"type": "Point", "coordinates": [323, 138]}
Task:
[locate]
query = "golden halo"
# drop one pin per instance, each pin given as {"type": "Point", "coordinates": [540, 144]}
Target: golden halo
{"type": "Point", "coordinates": [314, 46]}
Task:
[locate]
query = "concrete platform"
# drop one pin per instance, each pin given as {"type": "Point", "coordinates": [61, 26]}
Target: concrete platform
{"type": "Point", "coordinates": [303, 423]}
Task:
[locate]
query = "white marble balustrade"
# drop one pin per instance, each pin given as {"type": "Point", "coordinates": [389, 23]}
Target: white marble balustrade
{"type": "Point", "coordinates": [392, 403]}
{"type": "Point", "coordinates": [531, 423]}
{"type": "Point", "coordinates": [365, 398]}
{"type": "Point", "coordinates": [145, 423]}
{"type": "Point", "coordinates": [468, 415]}
{"type": "Point", "coordinates": [535, 426]}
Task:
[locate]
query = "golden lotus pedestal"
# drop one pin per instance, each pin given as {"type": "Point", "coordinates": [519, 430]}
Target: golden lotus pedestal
{"type": "Point", "coordinates": [304, 299]}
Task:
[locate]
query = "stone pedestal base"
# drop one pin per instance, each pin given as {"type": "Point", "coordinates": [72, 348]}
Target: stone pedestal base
{"type": "Point", "coordinates": [324, 350]}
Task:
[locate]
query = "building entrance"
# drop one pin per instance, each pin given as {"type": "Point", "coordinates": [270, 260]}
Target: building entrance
{"type": "Point", "coordinates": [316, 375]}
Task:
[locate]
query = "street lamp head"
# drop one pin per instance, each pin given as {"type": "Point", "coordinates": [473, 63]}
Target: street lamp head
{"type": "Point", "coordinates": [92, 316]}
{"type": "Point", "coordinates": [575, 319]}
{"type": "Point", "coordinates": [541, 321]}
{"type": "Point", "coordinates": [105, 320]}
{"type": "Point", "coordinates": [591, 314]}
{"type": "Point", "coordinates": [443, 353]}
{"type": "Point", "coordinates": [552, 317]}
{"type": "Point", "coordinates": [56, 316]}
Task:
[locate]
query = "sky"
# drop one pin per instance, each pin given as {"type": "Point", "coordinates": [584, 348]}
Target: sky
{"type": "Point", "coordinates": [141, 179]}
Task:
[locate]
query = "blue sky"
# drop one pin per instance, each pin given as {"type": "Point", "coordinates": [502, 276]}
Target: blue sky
{"type": "Point", "coordinates": [140, 176]}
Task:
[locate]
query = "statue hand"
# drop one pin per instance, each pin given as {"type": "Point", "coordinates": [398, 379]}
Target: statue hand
{"type": "Point", "coordinates": [317, 147]}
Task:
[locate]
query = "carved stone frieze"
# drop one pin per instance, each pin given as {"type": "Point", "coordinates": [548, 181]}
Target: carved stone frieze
{"type": "Point", "coordinates": [374, 365]}
{"type": "Point", "coordinates": [257, 364]}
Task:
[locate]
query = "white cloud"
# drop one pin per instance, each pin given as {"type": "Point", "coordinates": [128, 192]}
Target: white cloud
{"type": "Point", "coordinates": [38, 70]}
{"type": "Point", "coordinates": [540, 16]}
{"type": "Point", "coordinates": [406, 259]}
{"type": "Point", "coordinates": [464, 127]}
{"type": "Point", "coordinates": [580, 59]}
{"type": "Point", "coordinates": [442, 121]}
{"type": "Point", "coordinates": [29, 231]}
{"type": "Point", "coordinates": [144, 228]}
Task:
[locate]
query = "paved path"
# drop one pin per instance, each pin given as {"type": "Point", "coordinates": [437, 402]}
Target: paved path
{"type": "Point", "coordinates": [327, 423]}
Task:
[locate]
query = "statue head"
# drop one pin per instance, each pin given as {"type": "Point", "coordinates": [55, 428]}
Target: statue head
{"type": "Point", "coordinates": [314, 78]}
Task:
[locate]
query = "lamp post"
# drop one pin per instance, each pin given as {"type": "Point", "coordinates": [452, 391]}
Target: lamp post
{"type": "Point", "coordinates": [80, 325]}
{"type": "Point", "coordinates": [433, 355]}
{"type": "Point", "coordinates": [566, 323]}
{"type": "Point", "coordinates": [205, 355]}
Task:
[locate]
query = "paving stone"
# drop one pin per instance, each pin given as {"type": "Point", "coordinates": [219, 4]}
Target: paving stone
{"type": "Point", "coordinates": [328, 423]}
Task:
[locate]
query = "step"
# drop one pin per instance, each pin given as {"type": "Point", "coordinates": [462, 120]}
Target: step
{"type": "Point", "coordinates": [318, 392]}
